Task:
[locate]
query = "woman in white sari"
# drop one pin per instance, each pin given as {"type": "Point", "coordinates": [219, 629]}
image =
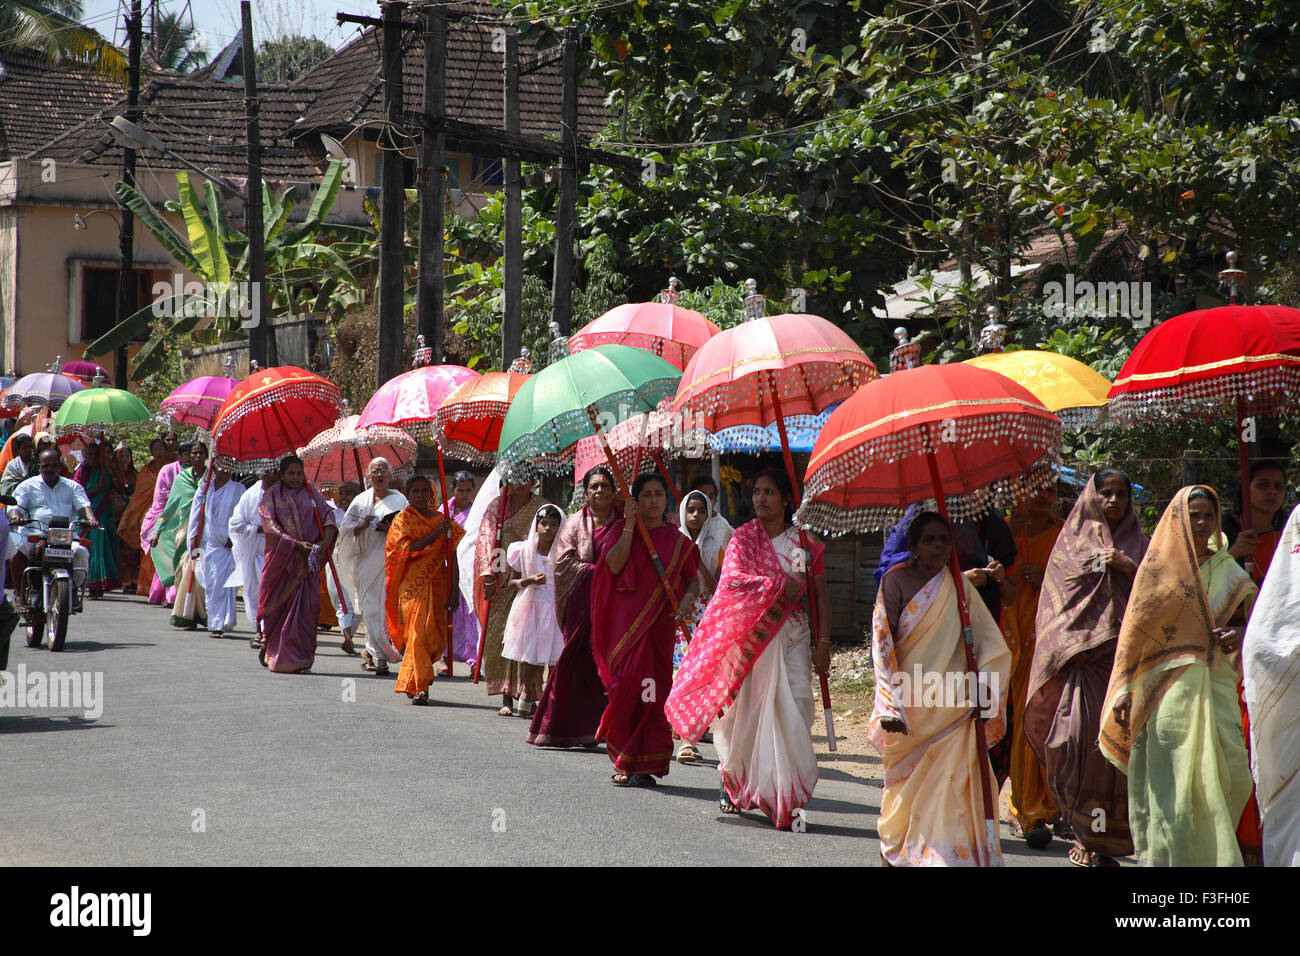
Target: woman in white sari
{"type": "Point", "coordinates": [932, 809]}
{"type": "Point", "coordinates": [1271, 662]}
{"type": "Point", "coordinates": [363, 533]}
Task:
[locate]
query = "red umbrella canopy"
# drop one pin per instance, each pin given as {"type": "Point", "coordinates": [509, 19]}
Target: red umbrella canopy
{"type": "Point", "coordinates": [343, 452]}
{"type": "Point", "coordinates": [409, 400]}
{"type": "Point", "coordinates": [272, 413]}
{"type": "Point", "coordinates": [467, 424]}
{"type": "Point", "coordinates": [669, 331]}
{"type": "Point", "coordinates": [811, 362]}
{"type": "Point", "coordinates": [1199, 363]}
{"type": "Point", "coordinates": [872, 458]}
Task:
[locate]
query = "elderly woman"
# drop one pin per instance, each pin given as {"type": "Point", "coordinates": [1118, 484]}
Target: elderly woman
{"type": "Point", "coordinates": [363, 532]}
{"type": "Point", "coordinates": [932, 808]}
{"type": "Point", "coordinates": [300, 532]}
{"type": "Point", "coordinates": [632, 632]}
{"type": "Point", "coordinates": [1171, 720]}
{"type": "Point", "coordinates": [752, 657]}
{"type": "Point", "coordinates": [574, 699]}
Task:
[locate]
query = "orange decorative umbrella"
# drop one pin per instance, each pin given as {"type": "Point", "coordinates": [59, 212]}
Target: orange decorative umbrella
{"type": "Point", "coordinates": [467, 425]}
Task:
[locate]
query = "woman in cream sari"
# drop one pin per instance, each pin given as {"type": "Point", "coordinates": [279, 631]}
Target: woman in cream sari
{"type": "Point", "coordinates": [932, 809]}
{"type": "Point", "coordinates": [1171, 719]}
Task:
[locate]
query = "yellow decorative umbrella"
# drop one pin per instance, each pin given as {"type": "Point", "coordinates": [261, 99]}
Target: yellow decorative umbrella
{"type": "Point", "coordinates": [1066, 386]}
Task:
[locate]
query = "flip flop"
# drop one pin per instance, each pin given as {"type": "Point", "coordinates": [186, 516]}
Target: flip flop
{"type": "Point", "coordinates": [506, 712]}
{"type": "Point", "coordinates": [688, 754]}
{"type": "Point", "coordinates": [421, 699]}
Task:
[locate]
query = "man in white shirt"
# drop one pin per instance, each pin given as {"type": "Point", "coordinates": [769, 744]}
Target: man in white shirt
{"type": "Point", "coordinates": [245, 530]}
{"type": "Point", "coordinates": [213, 547]}
{"type": "Point", "coordinates": [364, 531]}
{"type": "Point", "coordinates": [49, 495]}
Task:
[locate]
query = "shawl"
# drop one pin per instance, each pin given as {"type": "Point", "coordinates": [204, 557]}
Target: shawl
{"type": "Point", "coordinates": [487, 493]}
{"type": "Point", "coordinates": [1169, 624]}
{"type": "Point", "coordinates": [1080, 606]}
{"type": "Point", "coordinates": [732, 634]}
{"type": "Point", "coordinates": [287, 518]}
{"type": "Point", "coordinates": [131, 523]}
{"type": "Point", "coordinates": [713, 537]}
{"type": "Point", "coordinates": [1270, 663]}
{"type": "Point", "coordinates": [161, 491]}
{"type": "Point", "coordinates": [526, 551]}
{"type": "Point", "coordinates": [489, 556]}
{"type": "Point", "coordinates": [575, 551]}
{"type": "Point", "coordinates": [176, 515]}
{"type": "Point", "coordinates": [416, 576]}
{"type": "Point", "coordinates": [100, 503]}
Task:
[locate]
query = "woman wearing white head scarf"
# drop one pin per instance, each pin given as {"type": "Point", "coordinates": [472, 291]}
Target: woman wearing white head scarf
{"type": "Point", "coordinates": [1270, 658]}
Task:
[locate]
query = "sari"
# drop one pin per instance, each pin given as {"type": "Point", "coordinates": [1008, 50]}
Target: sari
{"type": "Point", "coordinates": [130, 526]}
{"type": "Point", "coordinates": [464, 625]}
{"type": "Point", "coordinates": [574, 699]}
{"type": "Point", "coordinates": [289, 592]}
{"type": "Point", "coordinates": [103, 540]}
{"type": "Point", "coordinates": [171, 525]}
{"type": "Point", "coordinates": [415, 596]}
{"type": "Point", "coordinates": [1270, 660]}
{"type": "Point", "coordinates": [1080, 607]}
{"type": "Point", "coordinates": [158, 592]}
{"type": "Point", "coordinates": [1182, 746]}
{"type": "Point", "coordinates": [756, 674]}
{"type": "Point", "coordinates": [1031, 799]}
{"type": "Point", "coordinates": [632, 633]}
{"type": "Point", "coordinates": [504, 677]}
{"type": "Point", "coordinates": [932, 807]}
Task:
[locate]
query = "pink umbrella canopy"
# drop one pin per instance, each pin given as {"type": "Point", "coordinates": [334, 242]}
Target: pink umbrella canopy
{"type": "Point", "coordinates": [409, 401]}
{"type": "Point", "coordinates": [84, 372]}
{"type": "Point", "coordinates": [198, 401]}
{"type": "Point", "coordinates": [669, 331]}
{"type": "Point", "coordinates": [343, 452]}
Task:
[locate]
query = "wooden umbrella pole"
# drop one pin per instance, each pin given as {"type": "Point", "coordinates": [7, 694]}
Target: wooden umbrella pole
{"type": "Point", "coordinates": [1243, 455]}
{"type": "Point", "coordinates": [640, 526]}
{"type": "Point", "coordinates": [972, 667]}
{"type": "Point", "coordinates": [663, 473]}
{"type": "Point", "coordinates": [823, 679]}
{"type": "Point", "coordinates": [446, 510]}
{"type": "Point", "coordinates": [329, 560]}
{"type": "Point", "coordinates": [501, 525]}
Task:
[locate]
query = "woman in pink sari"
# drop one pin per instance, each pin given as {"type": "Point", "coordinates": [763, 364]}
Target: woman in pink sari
{"type": "Point", "coordinates": [751, 657]}
{"type": "Point", "coordinates": [300, 533]}
{"type": "Point", "coordinates": [632, 633]}
{"type": "Point", "coordinates": [161, 489]}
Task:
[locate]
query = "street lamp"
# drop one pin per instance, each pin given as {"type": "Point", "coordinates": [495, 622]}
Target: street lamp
{"type": "Point", "coordinates": [79, 221]}
{"type": "Point", "coordinates": [128, 135]}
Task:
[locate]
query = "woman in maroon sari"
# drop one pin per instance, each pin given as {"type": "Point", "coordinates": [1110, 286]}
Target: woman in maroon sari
{"type": "Point", "coordinates": [300, 533]}
{"type": "Point", "coordinates": [632, 633]}
{"type": "Point", "coordinates": [574, 699]}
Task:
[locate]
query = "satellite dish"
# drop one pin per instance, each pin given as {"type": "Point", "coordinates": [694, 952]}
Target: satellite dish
{"type": "Point", "coordinates": [333, 147]}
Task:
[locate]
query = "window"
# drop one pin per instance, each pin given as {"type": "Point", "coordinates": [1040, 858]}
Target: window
{"type": "Point", "coordinates": [98, 300]}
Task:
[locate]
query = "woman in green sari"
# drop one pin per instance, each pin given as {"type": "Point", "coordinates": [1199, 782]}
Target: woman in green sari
{"type": "Point", "coordinates": [94, 476]}
{"type": "Point", "coordinates": [171, 549]}
{"type": "Point", "coordinates": [1171, 719]}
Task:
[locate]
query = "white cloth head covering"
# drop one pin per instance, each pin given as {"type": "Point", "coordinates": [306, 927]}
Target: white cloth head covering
{"type": "Point", "coordinates": [523, 555]}
{"type": "Point", "coordinates": [488, 492]}
{"type": "Point", "coordinates": [714, 535]}
{"type": "Point", "coordinates": [1270, 663]}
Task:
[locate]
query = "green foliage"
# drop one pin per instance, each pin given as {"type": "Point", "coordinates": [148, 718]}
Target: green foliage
{"type": "Point", "coordinates": [285, 59]}
{"type": "Point", "coordinates": [50, 27]}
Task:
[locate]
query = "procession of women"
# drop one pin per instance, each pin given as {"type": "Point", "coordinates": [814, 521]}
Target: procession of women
{"type": "Point", "coordinates": [1124, 671]}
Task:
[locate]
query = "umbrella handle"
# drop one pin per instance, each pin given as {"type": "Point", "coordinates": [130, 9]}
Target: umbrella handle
{"type": "Point", "coordinates": [673, 600]}
{"type": "Point", "coordinates": [482, 631]}
{"type": "Point", "coordinates": [1243, 456]}
{"type": "Point", "coordinates": [329, 559]}
{"type": "Point", "coordinates": [446, 509]}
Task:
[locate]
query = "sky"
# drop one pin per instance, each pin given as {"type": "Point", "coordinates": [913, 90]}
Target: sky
{"type": "Point", "coordinates": [219, 19]}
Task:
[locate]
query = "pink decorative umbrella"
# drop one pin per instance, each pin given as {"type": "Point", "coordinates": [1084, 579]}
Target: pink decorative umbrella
{"type": "Point", "coordinates": [84, 372]}
{"type": "Point", "coordinates": [410, 400]}
{"type": "Point", "coordinates": [198, 401]}
{"type": "Point", "coordinates": [669, 331]}
{"type": "Point", "coordinates": [343, 452]}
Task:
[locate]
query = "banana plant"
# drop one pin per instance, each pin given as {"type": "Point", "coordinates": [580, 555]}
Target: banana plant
{"type": "Point", "coordinates": [300, 268]}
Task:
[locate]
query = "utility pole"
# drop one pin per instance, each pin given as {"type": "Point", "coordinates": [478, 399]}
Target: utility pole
{"type": "Point", "coordinates": [512, 324]}
{"type": "Point", "coordinates": [126, 281]}
{"type": "Point", "coordinates": [432, 185]}
{"type": "Point", "coordinates": [392, 221]}
{"type": "Point", "coordinates": [261, 337]}
{"type": "Point", "coordinates": [562, 282]}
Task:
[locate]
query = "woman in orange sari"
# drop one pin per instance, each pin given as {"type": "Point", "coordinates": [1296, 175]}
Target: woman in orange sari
{"type": "Point", "coordinates": [417, 601]}
{"type": "Point", "coordinates": [632, 631]}
{"type": "Point", "coordinates": [128, 527]}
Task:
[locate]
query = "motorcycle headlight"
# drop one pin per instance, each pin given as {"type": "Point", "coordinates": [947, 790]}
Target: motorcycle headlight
{"type": "Point", "coordinates": [61, 537]}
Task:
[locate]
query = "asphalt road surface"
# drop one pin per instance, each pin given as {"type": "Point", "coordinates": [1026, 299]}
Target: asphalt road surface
{"type": "Point", "coordinates": [202, 757]}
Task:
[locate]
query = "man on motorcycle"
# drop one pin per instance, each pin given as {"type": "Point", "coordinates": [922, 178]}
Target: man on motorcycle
{"type": "Point", "coordinates": [47, 496]}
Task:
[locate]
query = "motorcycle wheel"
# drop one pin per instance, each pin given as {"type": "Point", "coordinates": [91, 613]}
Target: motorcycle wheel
{"type": "Point", "coordinates": [62, 610]}
{"type": "Point", "coordinates": [35, 627]}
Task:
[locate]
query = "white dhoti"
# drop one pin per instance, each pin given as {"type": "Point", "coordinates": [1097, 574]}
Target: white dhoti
{"type": "Point", "coordinates": [367, 556]}
{"type": "Point", "coordinates": [217, 506]}
{"type": "Point", "coordinates": [249, 552]}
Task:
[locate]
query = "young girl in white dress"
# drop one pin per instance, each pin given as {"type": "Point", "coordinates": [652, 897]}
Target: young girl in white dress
{"type": "Point", "coordinates": [533, 634]}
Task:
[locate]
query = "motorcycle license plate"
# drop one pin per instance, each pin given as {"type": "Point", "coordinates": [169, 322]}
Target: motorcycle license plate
{"type": "Point", "coordinates": [63, 554]}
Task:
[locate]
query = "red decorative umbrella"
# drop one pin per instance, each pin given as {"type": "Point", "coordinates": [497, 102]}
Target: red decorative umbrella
{"type": "Point", "coordinates": [763, 371]}
{"type": "Point", "coordinates": [410, 400]}
{"type": "Point", "coordinates": [669, 331]}
{"type": "Point", "coordinates": [198, 401]}
{"type": "Point", "coordinates": [343, 452]}
{"type": "Point", "coordinates": [1208, 364]}
{"type": "Point", "coordinates": [941, 431]}
{"type": "Point", "coordinates": [272, 413]}
{"type": "Point", "coordinates": [467, 424]}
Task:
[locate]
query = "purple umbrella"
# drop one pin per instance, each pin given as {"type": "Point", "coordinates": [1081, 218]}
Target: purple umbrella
{"type": "Point", "coordinates": [46, 389]}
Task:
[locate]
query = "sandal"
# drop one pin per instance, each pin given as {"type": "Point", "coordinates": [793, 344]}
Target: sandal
{"type": "Point", "coordinates": [421, 699]}
{"type": "Point", "coordinates": [1082, 857]}
{"type": "Point", "coordinates": [724, 801]}
{"type": "Point", "coordinates": [645, 780]}
{"type": "Point", "coordinates": [623, 779]}
{"type": "Point", "coordinates": [444, 671]}
{"type": "Point", "coordinates": [688, 754]}
{"type": "Point", "coordinates": [216, 633]}
{"type": "Point", "coordinates": [506, 712]}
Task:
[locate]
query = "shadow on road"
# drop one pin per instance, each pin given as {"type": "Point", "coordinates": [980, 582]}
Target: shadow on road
{"type": "Point", "coordinates": [77, 646]}
{"type": "Point", "coordinates": [40, 723]}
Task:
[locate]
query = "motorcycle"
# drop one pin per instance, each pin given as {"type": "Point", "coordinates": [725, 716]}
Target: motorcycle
{"type": "Point", "coordinates": [55, 589]}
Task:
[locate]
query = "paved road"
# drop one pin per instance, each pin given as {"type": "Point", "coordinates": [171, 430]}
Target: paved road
{"type": "Point", "coordinates": [200, 756]}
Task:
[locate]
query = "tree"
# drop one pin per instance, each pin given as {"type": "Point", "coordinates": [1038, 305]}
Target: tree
{"type": "Point", "coordinates": [51, 27]}
{"type": "Point", "coordinates": [173, 43]}
{"type": "Point", "coordinates": [284, 60]}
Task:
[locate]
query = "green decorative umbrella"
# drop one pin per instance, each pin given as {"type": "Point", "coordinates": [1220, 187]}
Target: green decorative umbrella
{"type": "Point", "coordinates": [100, 408]}
{"type": "Point", "coordinates": [566, 401]}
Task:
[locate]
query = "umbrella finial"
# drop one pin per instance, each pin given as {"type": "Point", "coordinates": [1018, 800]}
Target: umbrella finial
{"type": "Point", "coordinates": [671, 293]}
{"type": "Point", "coordinates": [57, 365]}
{"type": "Point", "coordinates": [993, 333]}
{"type": "Point", "coordinates": [98, 381]}
{"type": "Point", "coordinates": [423, 353]}
{"type": "Point", "coordinates": [253, 366]}
{"type": "Point", "coordinates": [906, 355]}
{"type": "Point", "coordinates": [521, 365]}
{"type": "Point", "coordinates": [229, 367]}
{"type": "Point", "coordinates": [755, 304]}
{"type": "Point", "coordinates": [559, 346]}
{"type": "Point", "coordinates": [1231, 277]}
